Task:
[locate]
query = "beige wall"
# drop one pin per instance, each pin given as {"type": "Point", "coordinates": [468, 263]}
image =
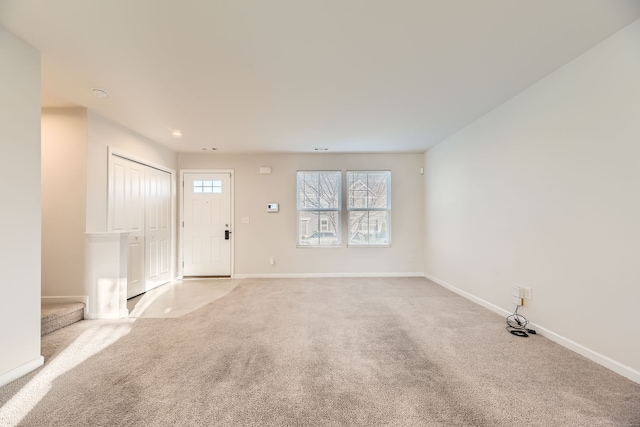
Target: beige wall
{"type": "Point", "coordinates": [102, 133]}
{"type": "Point", "coordinates": [64, 167]}
{"type": "Point", "coordinates": [20, 213]}
{"type": "Point", "coordinates": [275, 233]}
{"type": "Point", "coordinates": [544, 192]}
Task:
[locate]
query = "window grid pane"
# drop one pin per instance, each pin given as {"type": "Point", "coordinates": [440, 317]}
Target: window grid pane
{"type": "Point", "coordinates": [319, 190]}
{"type": "Point", "coordinates": [319, 203]}
{"type": "Point", "coordinates": [368, 190]}
{"type": "Point", "coordinates": [369, 205]}
{"type": "Point", "coordinates": [207, 187]}
{"type": "Point", "coordinates": [318, 228]}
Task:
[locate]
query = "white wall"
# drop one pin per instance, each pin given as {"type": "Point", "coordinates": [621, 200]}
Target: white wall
{"type": "Point", "coordinates": [544, 191]}
{"type": "Point", "coordinates": [102, 134]}
{"type": "Point", "coordinates": [275, 233]}
{"type": "Point", "coordinates": [64, 168]}
{"type": "Point", "coordinates": [20, 213]}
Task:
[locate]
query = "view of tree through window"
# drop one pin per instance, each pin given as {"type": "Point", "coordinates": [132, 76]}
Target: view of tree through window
{"type": "Point", "coordinates": [369, 206]}
{"type": "Point", "coordinates": [319, 203]}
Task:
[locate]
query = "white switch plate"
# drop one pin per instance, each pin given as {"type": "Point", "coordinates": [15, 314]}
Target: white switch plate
{"type": "Point", "coordinates": [527, 292]}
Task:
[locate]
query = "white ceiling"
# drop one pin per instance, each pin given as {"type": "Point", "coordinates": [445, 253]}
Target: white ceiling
{"type": "Point", "coordinates": [291, 75]}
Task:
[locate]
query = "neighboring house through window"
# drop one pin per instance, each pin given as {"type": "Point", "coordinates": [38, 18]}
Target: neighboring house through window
{"type": "Point", "coordinates": [369, 208]}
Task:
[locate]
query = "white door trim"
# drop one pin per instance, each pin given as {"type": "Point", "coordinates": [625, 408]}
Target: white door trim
{"type": "Point", "coordinates": [181, 215]}
{"type": "Point", "coordinates": [111, 151]}
{"type": "Point", "coordinates": [128, 156]}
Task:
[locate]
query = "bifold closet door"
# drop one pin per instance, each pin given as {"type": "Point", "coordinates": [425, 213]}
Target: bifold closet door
{"type": "Point", "coordinates": [158, 227]}
{"type": "Point", "coordinates": [140, 203]}
{"type": "Point", "coordinates": [127, 206]}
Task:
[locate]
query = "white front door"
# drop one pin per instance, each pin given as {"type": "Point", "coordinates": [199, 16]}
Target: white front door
{"type": "Point", "coordinates": [207, 224]}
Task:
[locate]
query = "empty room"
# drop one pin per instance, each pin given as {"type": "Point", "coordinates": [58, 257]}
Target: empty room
{"type": "Point", "coordinates": [240, 212]}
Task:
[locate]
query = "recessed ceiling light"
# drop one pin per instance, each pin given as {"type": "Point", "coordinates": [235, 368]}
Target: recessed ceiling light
{"type": "Point", "coordinates": [177, 133]}
{"type": "Point", "coordinates": [99, 93]}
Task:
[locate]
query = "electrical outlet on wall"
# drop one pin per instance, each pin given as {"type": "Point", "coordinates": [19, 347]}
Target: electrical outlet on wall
{"type": "Point", "coordinates": [527, 292]}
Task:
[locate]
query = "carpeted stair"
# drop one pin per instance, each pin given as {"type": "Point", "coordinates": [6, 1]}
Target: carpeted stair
{"type": "Point", "coordinates": [58, 315]}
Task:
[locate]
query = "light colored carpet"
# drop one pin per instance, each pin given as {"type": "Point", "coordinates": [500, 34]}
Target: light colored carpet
{"type": "Point", "coordinates": [179, 298]}
{"type": "Point", "coordinates": [375, 351]}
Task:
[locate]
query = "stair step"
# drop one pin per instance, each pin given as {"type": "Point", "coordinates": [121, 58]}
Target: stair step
{"type": "Point", "coordinates": [58, 315]}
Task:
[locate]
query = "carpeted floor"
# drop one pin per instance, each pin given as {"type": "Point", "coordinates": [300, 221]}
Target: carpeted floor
{"type": "Point", "coordinates": [299, 352]}
{"type": "Point", "coordinates": [179, 298]}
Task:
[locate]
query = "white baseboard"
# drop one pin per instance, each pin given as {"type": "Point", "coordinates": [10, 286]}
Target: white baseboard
{"type": "Point", "coordinates": [322, 275]}
{"type": "Point", "coordinates": [607, 362]}
{"type": "Point", "coordinates": [21, 370]}
{"type": "Point", "coordinates": [480, 301]}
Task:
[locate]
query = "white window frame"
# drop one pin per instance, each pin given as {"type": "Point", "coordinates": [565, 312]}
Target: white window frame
{"type": "Point", "coordinates": [319, 228]}
{"type": "Point", "coordinates": [207, 186]}
{"type": "Point", "coordinates": [368, 210]}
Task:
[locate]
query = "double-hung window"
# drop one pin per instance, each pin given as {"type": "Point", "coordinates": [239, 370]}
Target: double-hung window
{"type": "Point", "coordinates": [369, 208]}
{"type": "Point", "coordinates": [319, 203]}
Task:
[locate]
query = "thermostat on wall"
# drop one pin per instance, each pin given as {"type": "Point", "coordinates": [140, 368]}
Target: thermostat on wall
{"type": "Point", "coordinates": [272, 207]}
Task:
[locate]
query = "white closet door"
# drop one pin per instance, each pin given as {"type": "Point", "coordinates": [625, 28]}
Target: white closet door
{"type": "Point", "coordinates": [158, 227]}
{"type": "Point", "coordinates": [126, 202]}
{"type": "Point", "coordinates": [140, 203]}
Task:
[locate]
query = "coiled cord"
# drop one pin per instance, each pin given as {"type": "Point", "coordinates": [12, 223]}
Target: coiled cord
{"type": "Point", "coordinates": [517, 324]}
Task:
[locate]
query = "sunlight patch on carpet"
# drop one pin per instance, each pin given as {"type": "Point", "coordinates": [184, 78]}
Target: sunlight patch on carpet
{"type": "Point", "coordinates": [88, 344]}
{"type": "Point", "coordinates": [180, 298]}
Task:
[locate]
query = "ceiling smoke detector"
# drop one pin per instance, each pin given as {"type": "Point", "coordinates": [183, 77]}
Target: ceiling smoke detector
{"type": "Point", "coordinates": [99, 93]}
